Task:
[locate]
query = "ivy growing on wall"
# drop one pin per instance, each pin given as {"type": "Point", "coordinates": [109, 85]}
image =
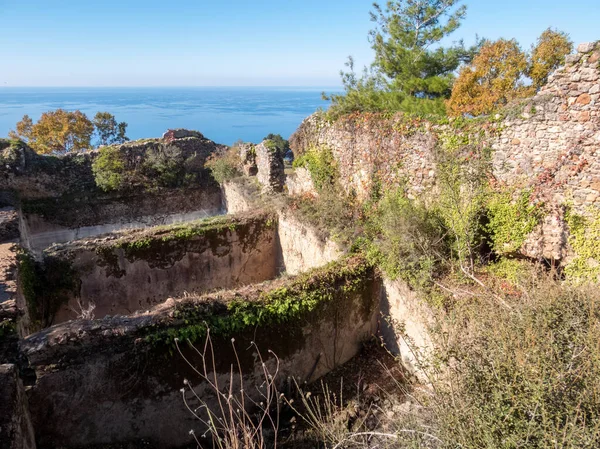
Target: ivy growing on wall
{"type": "Point", "coordinates": [321, 164]}
{"type": "Point", "coordinates": [584, 239]}
{"type": "Point", "coordinates": [511, 218]}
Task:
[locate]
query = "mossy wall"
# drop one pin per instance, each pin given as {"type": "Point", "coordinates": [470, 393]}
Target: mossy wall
{"type": "Point", "coordinates": [138, 183]}
{"type": "Point", "coordinates": [134, 270]}
{"type": "Point", "coordinates": [116, 380]}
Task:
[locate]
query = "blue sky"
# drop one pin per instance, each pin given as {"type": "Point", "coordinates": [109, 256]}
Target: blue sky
{"type": "Point", "coordinates": [230, 42]}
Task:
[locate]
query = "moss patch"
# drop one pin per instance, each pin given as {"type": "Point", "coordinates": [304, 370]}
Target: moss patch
{"type": "Point", "coordinates": [163, 246]}
{"type": "Point", "coordinates": [45, 286]}
{"type": "Point", "coordinates": [309, 297]}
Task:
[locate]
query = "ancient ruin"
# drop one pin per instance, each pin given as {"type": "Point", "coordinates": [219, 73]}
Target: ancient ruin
{"type": "Point", "coordinates": [112, 260]}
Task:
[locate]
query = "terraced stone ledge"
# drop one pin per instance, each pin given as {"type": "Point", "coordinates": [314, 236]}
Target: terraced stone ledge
{"type": "Point", "coordinates": [116, 379]}
{"type": "Point", "coordinates": [123, 272]}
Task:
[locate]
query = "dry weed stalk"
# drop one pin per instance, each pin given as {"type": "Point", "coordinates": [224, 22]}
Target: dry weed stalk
{"type": "Point", "coordinates": [241, 419]}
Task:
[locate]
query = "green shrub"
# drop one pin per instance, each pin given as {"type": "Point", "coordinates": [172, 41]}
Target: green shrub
{"type": "Point", "coordinates": [407, 239]}
{"type": "Point", "coordinates": [332, 213]}
{"type": "Point", "coordinates": [584, 239]}
{"type": "Point", "coordinates": [109, 168]}
{"type": "Point", "coordinates": [225, 166]}
{"type": "Point", "coordinates": [511, 220]}
{"type": "Point", "coordinates": [322, 166]}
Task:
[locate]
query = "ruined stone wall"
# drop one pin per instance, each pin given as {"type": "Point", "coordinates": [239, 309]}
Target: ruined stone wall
{"type": "Point", "coordinates": [115, 380]}
{"type": "Point", "coordinates": [129, 271]}
{"type": "Point", "coordinates": [300, 182]}
{"type": "Point", "coordinates": [301, 248]}
{"type": "Point", "coordinates": [270, 169]}
{"type": "Point", "coordinates": [369, 147]}
{"type": "Point", "coordinates": [150, 182]}
{"type": "Point", "coordinates": [16, 431]}
{"type": "Point", "coordinates": [549, 144]}
{"type": "Point", "coordinates": [553, 147]}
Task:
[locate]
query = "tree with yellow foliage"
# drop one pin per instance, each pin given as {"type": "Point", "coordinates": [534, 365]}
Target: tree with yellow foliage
{"type": "Point", "coordinates": [548, 54]}
{"type": "Point", "coordinates": [57, 131]}
{"type": "Point", "coordinates": [493, 79]}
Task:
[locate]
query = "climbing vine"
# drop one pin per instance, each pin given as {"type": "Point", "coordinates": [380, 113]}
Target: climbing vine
{"type": "Point", "coordinates": [584, 239]}
{"type": "Point", "coordinates": [511, 218]}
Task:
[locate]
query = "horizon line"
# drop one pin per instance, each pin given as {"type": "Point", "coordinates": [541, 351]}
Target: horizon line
{"type": "Point", "coordinates": [174, 87]}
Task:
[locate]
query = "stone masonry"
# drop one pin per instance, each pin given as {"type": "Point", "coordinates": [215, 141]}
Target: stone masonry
{"type": "Point", "coordinates": [549, 144]}
{"type": "Point", "coordinates": [271, 173]}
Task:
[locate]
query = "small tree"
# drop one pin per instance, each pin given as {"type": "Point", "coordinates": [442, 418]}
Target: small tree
{"type": "Point", "coordinates": [411, 72]}
{"type": "Point", "coordinates": [548, 54]}
{"type": "Point", "coordinates": [282, 145]}
{"type": "Point", "coordinates": [57, 131]}
{"type": "Point", "coordinates": [108, 130]}
{"type": "Point", "coordinates": [405, 31]}
{"type": "Point", "coordinates": [494, 78]}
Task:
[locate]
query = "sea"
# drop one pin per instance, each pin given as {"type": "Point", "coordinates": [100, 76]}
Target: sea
{"type": "Point", "coordinates": [223, 114]}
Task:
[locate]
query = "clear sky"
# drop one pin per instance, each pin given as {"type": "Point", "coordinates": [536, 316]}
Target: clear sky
{"type": "Point", "coordinates": [230, 42]}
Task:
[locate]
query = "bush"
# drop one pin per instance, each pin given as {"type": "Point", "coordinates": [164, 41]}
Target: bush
{"type": "Point", "coordinates": [407, 239]}
{"type": "Point", "coordinates": [321, 165]}
{"type": "Point", "coordinates": [584, 239]}
{"type": "Point", "coordinates": [224, 166]}
{"type": "Point", "coordinates": [511, 220]}
{"type": "Point", "coordinates": [109, 168]}
{"type": "Point", "coordinates": [524, 376]}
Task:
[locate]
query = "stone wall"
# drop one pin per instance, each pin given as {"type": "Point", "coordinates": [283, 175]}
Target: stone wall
{"type": "Point", "coordinates": [406, 326]}
{"type": "Point", "coordinates": [301, 248]}
{"type": "Point", "coordinates": [369, 147]}
{"type": "Point", "coordinates": [48, 221]}
{"type": "Point", "coordinates": [16, 431]}
{"type": "Point", "coordinates": [145, 164]}
{"type": "Point", "coordinates": [300, 182]}
{"type": "Point", "coordinates": [270, 168]}
{"type": "Point", "coordinates": [107, 381]}
{"type": "Point", "coordinates": [153, 181]}
{"type": "Point", "coordinates": [129, 271]}
{"type": "Point", "coordinates": [553, 147]}
{"type": "Point", "coordinates": [549, 144]}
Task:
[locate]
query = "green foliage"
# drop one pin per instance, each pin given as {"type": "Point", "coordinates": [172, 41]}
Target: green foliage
{"type": "Point", "coordinates": [8, 328]}
{"type": "Point", "coordinates": [277, 143]}
{"type": "Point", "coordinates": [322, 167]}
{"type": "Point", "coordinates": [288, 305]}
{"type": "Point", "coordinates": [403, 39]}
{"type": "Point", "coordinates": [513, 270]}
{"type": "Point", "coordinates": [109, 168]}
{"type": "Point", "coordinates": [462, 178]}
{"type": "Point", "coordinates": [584, 239]}
{"type": "Point", "coordinates": [511, 219]}
{"type": "Point", "coordinates": [524, 376]}
{"type": "Point", "coordinates": [408, 239]}
{"type": "Point", "coordinates": [411, 72]}
{"type": "Point", "coordinates": [332, 213]}
{"type": "Point", "coordinates": [108, 130]}
{"type": "Point", "coordinates": [226, 166]}
{"type": "Point", "coordinates": [164, 166]}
